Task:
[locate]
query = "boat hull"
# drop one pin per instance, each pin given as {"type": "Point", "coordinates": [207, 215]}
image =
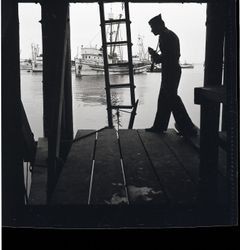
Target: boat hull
{"type": "Point", "coordinates": [186, 66]}
{"type": "Point", "coordinates": [37, 70]}
{"type": "Point", "coordinates": [85, 69]}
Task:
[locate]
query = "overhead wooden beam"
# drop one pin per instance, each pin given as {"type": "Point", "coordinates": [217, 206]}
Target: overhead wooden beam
{"type": "Point", "coordinates": [12, 154]}
{"type": "Point", "coordinates": [131, 1]}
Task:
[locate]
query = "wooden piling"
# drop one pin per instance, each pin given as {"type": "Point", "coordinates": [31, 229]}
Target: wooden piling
{"type": "Point", "coordinates": [56, 80]}
{"type": "Point", "coordinates": [12, 155]}
{"type": "Point", "coordinates": [67, 112]}
{"type": "Point", "coordinates": [230, 69]}
{"type": "Point", "coordinates": [210, 109]}
{"type": "Point", "coordinates": [224, 108]}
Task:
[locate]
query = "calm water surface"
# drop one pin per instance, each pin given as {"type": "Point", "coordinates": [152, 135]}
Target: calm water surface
{"type": "Point", "coordinates": [89, 99]}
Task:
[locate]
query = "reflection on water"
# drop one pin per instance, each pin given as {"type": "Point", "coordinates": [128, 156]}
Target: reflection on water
{"type": "Point", "coordinates": [89, 91]}
{"type": "Point", "coordinates": [89, 99]}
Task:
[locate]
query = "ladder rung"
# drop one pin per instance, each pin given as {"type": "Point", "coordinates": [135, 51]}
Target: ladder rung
{"type": "Point", "coordinates": [118, 43]}
{"type": "Point", "coordinates": [122, 107]}
{"type": "Point", "coordinates": [118, 64]}
{"type": "Point", "coordinates": [124, 85]}
{"type": "Point", "coordinates": [110, 21]}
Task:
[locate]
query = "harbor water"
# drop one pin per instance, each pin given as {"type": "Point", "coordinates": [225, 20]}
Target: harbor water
{"type": "Point", "coordinates": [89, 99]}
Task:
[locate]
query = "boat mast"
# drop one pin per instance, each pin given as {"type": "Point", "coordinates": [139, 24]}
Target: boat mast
{"type": "Point", "coordinates": [116, 38]}
{"type": "Point", "coordinates": [111, 32]}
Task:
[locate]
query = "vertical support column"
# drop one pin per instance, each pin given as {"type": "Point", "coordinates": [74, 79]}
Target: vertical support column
{"type": "Point", "coordinates": [51, 33]}
{"type": "Point", "coordinates": [12, 159]}
{"type": "Point", "coordinates": [56, 79]}
{"type": "Point", "coordinates": [224, 108]}
{"type": "Point", "coordinates": [210, 110]}
{"type": "Point", "coordinates": [232, 108]}
{"type": "Point", "coordinates": [67, 113]}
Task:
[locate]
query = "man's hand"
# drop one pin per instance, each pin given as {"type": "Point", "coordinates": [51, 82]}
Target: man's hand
{"type": "Point", "coordinates": [151, 51]}
{"type": "Point", "coordinates": [155, 57]}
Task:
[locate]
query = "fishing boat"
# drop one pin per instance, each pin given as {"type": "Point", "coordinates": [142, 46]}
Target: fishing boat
{"type": "Point", "coordinates": [154, 68]}
{"type": "Point", "coordinates": [37, 59]}
{"type": "Point", "coordinates": [26, 64]}
{"type": "Point", "coordinates": [158, 67]}
{"type": "Point", "coordinates": [186, 65]}
{"type": "Point", "coordinates": [90, 61]}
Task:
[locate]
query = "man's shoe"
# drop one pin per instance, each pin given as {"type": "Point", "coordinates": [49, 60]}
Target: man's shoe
{"type": "Point", "coordinates": [187, 132]}
{"type": "Point", "coordinates": [177, 128]}
{"type": "Point", "coordinates": [193, 131]}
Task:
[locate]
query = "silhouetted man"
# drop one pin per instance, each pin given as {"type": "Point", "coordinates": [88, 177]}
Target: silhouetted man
{"type": "Point", "coordinates": [168, 100]}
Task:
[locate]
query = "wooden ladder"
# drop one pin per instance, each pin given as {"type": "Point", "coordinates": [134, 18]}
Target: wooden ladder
{"type": "Point", "coordinates": [105, 45]}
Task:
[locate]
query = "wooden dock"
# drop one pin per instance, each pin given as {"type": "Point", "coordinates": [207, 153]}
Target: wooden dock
{"type": "Point", "coordinates": [128, 169]}
{"type": "Point", "coordinates": [141, 179]}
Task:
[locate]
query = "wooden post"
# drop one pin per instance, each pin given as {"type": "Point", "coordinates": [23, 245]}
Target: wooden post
{"type": "Point", "coordinates": [209, 123]}
{"type": "Point", "coordinates": [12, 159]}
{"type": "Point", "coordinates": [55, 25]}
{"type": "Point", "coordinates": [67, 113]}
{"type": "Point", "coordinates": [224, 108]}
{"type": "Point", "coordinates": [232, 114]}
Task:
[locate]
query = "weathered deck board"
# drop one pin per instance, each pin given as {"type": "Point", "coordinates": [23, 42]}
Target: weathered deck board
{"type": "Point", "coordinates": [195, 143]}
{"type": "Point", "coordinates": [108, 186]}
{"type": "Point", "coordinates": [73, 183]}
{"type": "Point", "coordinates": [184, 152]}
{"type": "Point", "coordinates": [178, 186]}
{"type": "Point", "coordinates": [142, 183]}
{"type": "Point", "coordinates": [38, 191]}
{"type": "Point", "coordinates": [222, 161]}
{"type": "Point", "coordinates": [41, 153]}
{"type": "Point", "coordinates": [158, 169]}
{"type": "Point", "coordinates": [222, 190]}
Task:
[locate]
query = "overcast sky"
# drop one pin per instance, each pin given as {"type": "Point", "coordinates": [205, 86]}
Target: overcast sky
{"type": "Point", "coordinates": [186, 20]}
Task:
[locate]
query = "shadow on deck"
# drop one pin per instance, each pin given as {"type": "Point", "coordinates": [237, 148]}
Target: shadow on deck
{"type": "Point", "coordinates": [130, 178]}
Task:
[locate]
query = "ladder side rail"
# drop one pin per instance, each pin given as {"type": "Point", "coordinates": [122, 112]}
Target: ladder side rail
{"type": "Point", "coordinates": [105, 59]}
{"type": "Point", "coordinates": [133, 114]}
{"type": "Point", "coordinates": [129, 48]}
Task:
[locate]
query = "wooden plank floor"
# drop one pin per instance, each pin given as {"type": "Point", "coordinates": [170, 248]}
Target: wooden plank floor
{"type": "Point", "coordinates": [178, 185]}
{"type": "Point", "coordinates": [75, 176]}
{"type": "Point", "coordinates": [129, 167]}
{"type": "Point", "coordinates": [142, 183]}
{"type": "Point", "coordinates": [38, 191]}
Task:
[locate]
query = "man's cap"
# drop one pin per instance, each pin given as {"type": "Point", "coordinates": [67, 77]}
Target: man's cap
{"type": "Point", "coordinates": [157, 20]}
